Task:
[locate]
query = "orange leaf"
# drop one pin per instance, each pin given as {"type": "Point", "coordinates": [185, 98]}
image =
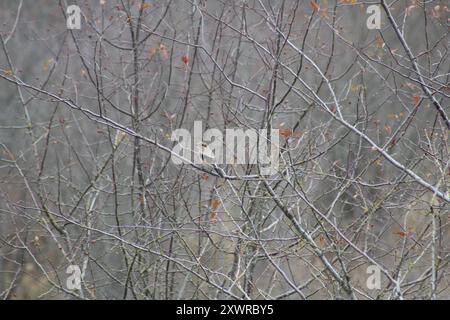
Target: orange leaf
{"type": "Point", "coordinates": [416, 100]}
{"type": "Point", "coordinates": [215, 204]}
{"type": "Point", "coordinates": [401, 233]}
{"type": "Point", "coordinates": [285, 133]}
{"type": "Point", "coordinates": [315, 6]}
{"type": "Point", "coordinates": [185, 60]}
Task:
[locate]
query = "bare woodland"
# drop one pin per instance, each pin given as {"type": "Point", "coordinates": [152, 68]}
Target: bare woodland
{"type": "Point", "coordinates": [86, 176]}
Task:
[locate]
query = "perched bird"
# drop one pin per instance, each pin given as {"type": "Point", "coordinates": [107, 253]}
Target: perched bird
{"type": "Point", "coordinates": [205, 153]}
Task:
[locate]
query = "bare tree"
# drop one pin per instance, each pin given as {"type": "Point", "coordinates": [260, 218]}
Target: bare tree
{"type": "Point", "coordinates": [86, 150]}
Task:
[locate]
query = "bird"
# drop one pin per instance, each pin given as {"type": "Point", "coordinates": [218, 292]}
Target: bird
{"type": "Point", "coordinates": [205, 152]}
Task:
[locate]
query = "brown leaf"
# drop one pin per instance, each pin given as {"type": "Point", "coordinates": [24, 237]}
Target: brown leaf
{"type": "Point", "coordinates": [215, 204]}
{"type": "Point", "coordinates": [185, 60]}
{"type": "Point", "coordinates": [213, 217]}
{"type": "Point", "coordinates": [285, 133]}
{"type": "Point", "coordinates": [416, 100]}
{"type": "Point", "coordinates": [315, 6]}
{"type": "Point", "coordinates": [401, 233]}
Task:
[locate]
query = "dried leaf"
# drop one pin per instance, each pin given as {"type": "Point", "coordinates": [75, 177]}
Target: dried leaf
{"type": "Point", "coordinates": [285, 133]}
{"type": "Point", "coordinates": [400, 233]}
{"type": "Point", "coordinates": [416, 100]}
{"type": "Point", "coordinates": [185, 60]}
{"type": "Point", "coordinates": [315, 6]}
{"type": "Point", "coordinates": [215, 204]}
{"type": "Point", "coordinates": [213, 217]}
